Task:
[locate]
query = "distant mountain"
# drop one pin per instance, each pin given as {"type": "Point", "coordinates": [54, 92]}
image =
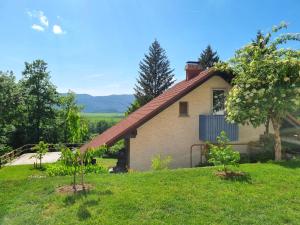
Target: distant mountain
{"type": "Point", "coordinates": [104, 104]}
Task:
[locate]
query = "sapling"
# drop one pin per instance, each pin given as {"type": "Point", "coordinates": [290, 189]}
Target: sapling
{"type": "Point", "coordinates": [222, 154]}
{"type": "Point", "coordinates": [41, 149]}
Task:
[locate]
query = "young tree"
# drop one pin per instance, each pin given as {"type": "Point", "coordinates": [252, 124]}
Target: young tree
{"type": "Point", "coordinates": [73, 159]}
{"type": "Point", "coordinates": [266, 83]}
{"type": "Point", "coordinates": [155, 75]}
{"type": "Point", "coordinates": [40, 98]}
{"type": "Point", "coordinates": [208, 58]}
{"type": "Point", "coordinates": [41, 149]}
{"type": "Point", "coordinates": [76, 127]}
{"type": "Point", "coordinates": [68, 107]}
{"type": "Point", "coordinates": [222, 154]}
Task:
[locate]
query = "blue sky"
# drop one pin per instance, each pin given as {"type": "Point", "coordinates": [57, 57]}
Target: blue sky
{"type": "Point", "coordinates": [95, 47]}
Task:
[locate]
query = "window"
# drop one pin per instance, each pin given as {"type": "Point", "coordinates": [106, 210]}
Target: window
{"type": "Point", "coordinates": [183, 108]}
{"type": "Point", "coordinates": [218, 102]}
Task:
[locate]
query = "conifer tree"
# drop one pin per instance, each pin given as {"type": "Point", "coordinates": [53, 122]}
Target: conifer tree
{"type": "Point", "coordinates": [208, 57]}
{"type": "Point", "coordinates": [155, 75]}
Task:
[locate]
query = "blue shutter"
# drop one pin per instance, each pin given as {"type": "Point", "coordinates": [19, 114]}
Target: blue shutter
{"type": "Point", "coordinates": [210, 126]}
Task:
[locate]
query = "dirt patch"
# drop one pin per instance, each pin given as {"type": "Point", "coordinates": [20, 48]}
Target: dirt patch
{"type": "Point", "coordinates": [230, 174]}
{"type": "Point", "coordinates": [70, 188]}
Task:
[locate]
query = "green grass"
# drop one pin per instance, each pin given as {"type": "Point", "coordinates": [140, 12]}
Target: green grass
{"type": "Point", "coordinates": [95, 117]}
{"type": "Point", "coordinates": [270, 195]}
{"type": "Point", "coordinates": [106, 162]}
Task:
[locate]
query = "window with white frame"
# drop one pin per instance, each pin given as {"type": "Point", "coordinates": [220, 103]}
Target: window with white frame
{"type": "Point", "coordinates": [218, 101]}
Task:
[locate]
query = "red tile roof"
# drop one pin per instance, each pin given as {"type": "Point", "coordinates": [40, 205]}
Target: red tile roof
{"type": "Point", "coordinates": [148, 111]}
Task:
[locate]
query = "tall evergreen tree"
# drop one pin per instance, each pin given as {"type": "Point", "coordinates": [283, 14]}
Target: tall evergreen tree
{"type": "Point", "coordinates": [208, 57]}
{"type": "Point", "coordinates": [40, 101]}
{"type": "Point", "coordinates": [155, 75]}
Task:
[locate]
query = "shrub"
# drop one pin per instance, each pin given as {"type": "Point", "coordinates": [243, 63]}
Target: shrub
{"type": "Point", "coordinates": [4, 149]}
{"type": "Point", "coordinates": [112, 152]}
{"type": "Point", "coordinates": [222, 154]}
{"type": "Point", "coordinates": [63, 170]}
{"type": "Point", "coordinates": [159, 163]}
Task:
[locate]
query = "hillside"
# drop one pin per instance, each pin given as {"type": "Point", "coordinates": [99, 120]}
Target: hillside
{"type": "Point", "coordinates": [270, 195]}
{"type": "Point", "coordinates": [104, 104]}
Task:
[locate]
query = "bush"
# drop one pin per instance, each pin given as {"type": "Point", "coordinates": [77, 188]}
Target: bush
{"type": "Point", "coordinates": [159, 163]}
{"type": "Point", "coordinates": [63, 170]}
{"type": "Point", "coordinates": [4, 149]}
{"type": "Point", "coordinates": [223, 154]}
{"type": "Point", "coordinates": [112, 152]}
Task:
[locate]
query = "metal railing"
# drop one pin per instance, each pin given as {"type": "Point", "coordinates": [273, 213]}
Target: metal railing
{"type": "Point", "coordinates": [204, 150]}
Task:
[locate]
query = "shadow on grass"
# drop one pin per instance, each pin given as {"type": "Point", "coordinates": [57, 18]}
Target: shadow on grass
{"type": "Point", "coordinates": [83, 212]}
{"type": "Point", "coordinates": [292, 164]}
{"type": "Point", "coordinates": [236, 177]}
{"type": "Point", "coordinates": [79, 195]}
{"type": "Point", "coordinates": [245, 178]}
{"type": "Point", "coordinates": [43, 168]}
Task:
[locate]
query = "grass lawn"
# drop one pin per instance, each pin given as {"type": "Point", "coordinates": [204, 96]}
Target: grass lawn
{"type": "Point", "coordinates": [95, 117]}
{"type": "Point", "coordinates": [271, 195]}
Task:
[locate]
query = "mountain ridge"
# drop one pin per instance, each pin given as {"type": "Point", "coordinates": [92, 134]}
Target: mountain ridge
{"type": "Point", "coordinates": [104, 104]}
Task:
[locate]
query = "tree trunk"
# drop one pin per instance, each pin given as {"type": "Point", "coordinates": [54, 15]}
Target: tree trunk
{"type": "Point", "coordinates": [267, 124]}
{"type": "Point", "coordinates": [74, 180]}
{"type": "Point", "coordinates": [82, 174]}
{"type": "Point", "coordinates": [276, 126]}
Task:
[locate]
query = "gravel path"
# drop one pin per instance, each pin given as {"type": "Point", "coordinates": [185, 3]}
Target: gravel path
{"type": "Point", "coordinates": [27, 158]}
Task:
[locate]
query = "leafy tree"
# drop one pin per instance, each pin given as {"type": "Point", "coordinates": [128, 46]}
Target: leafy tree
{"type": "Point", "coordinates": [10, 98]}
{"type": "Point", "coordinates": [68, 108]}
{"type": "Point", "coordinates": [76, 127]}
{"type": "Point", "coordinates": [155, 75]}
{"type": "Point", "coordinates": [266, 83]}
{"type": "Point", "coordinates": [222, 154]}
{"type": "Point", "coordinates": [41, 99]}
{"type": "Point", "coordinates": [41, 149]}
{"type": "Point", "coordinates": [208, 58]}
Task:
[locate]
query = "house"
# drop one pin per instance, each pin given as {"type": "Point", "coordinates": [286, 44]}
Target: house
{"type": "Point", "coordinates": [191, 112]}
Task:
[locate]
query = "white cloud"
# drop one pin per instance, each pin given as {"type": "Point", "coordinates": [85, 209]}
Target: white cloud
{"type": "Point", "coordinates": [42, 20]}
{"type": "Point", "coordinates": [57, 29]}
{"type": "Point", "coordinates": [37, 27]}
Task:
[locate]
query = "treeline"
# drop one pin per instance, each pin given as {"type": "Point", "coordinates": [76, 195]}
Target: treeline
{"type": "Point", "coordinates": [32, 110]}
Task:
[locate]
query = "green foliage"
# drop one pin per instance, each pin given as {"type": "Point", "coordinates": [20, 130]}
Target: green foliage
{"type": "Point", "coordinates": [160, 163]}
{"type": "Point", "coordinates": [266, 82]}
{"type": "Point", "coordinates": [40, 100]}
{"type": "Point", "coordinates": [222, 154]}
{"type": "Point", "coordinates": [41, 149]}
{"type": "Point", "coordinates": [133, 107]}
{"type": "Point", "coordinates": [10, 99]}
{"type": "Point", "coordinates": [4, 149]}
{"type": "Point", "coordinates": [76, 126]}
{"type": "Point", "coordinates": [63, 170]}
{"type": "Point", "coordinates": [111, 151]}
{"type": "Point", "coordinates": [70, 118]}
{"type": "Point", "coordinates": [208, 58]}
{"type": "Point", "coordinates": [155, 75]}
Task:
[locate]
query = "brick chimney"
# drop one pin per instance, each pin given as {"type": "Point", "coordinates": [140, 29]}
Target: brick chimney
{"type": "Point", "coordinates": [192, 69]}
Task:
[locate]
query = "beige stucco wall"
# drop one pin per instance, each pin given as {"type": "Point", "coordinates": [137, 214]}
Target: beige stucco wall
{"type": "Point", "coordinates": [169, 134]}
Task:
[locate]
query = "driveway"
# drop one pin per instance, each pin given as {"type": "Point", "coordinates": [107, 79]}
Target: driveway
{"type": "Point", "coordinates": [27, 158]}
